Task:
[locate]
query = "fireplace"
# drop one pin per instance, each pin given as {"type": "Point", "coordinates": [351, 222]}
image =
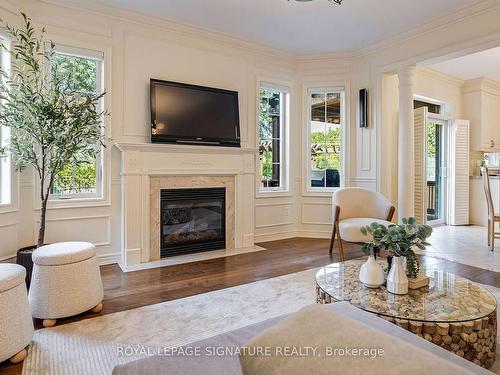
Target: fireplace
{"type": "Point", "coordinates": [192, 220]}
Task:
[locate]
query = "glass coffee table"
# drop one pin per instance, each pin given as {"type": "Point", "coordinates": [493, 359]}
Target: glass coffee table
{"type": "Point", "coordinates": [451, 312]}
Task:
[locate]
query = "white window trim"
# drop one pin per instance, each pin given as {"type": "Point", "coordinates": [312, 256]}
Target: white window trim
{"type": "Point", "coordinates": [6, 170]}
{"type": "Point", "coordinates": [344, 115]}
{"type": "Point", "coordinates": [445, 106]}
{"type": "Point", "coordinates": [99, 194]}
{"type": "Point", "coordinates": [284, 189]}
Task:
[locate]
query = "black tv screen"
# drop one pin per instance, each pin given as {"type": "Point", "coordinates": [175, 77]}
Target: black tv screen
{"type": "Point", "coordinates": [183, 113]}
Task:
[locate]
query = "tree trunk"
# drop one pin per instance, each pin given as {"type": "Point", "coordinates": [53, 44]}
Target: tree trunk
{"type": "Point", "coordinates": [43, 213]}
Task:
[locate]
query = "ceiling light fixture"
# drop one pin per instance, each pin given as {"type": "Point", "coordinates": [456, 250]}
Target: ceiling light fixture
{"type": "Point", "coordinates": [339, 2]}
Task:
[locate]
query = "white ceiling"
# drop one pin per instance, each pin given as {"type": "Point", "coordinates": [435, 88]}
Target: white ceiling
{"type": "Point", "coordinates": [307, 27]}
{"type": "Point", "coordinates": [481, 64]}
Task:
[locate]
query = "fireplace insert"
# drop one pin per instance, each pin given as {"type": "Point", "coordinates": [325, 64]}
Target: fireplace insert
{"type": "Point", "coordinates": [192, 220]}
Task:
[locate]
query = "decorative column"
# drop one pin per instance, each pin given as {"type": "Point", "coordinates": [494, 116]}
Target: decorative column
{"type": "Point", "coordinates": [406, 199]}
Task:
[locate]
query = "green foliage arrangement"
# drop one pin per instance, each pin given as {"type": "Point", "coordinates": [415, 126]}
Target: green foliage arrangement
{"type": "Point", "coordinates": [53, 123]}
{"type": "Point", "coordinates": [399, 240]}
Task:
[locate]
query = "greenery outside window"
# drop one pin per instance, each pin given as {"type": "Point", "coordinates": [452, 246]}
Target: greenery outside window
{"type": "Point", "coordinates": [85, 69]}
{"type": "Point", "coordinates": [273, 128]}
{"type": "Point", "coordinates": [325, 139]}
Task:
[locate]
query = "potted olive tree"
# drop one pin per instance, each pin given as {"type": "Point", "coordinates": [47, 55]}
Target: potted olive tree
{"type": "Point", "coordinates": [52, 123]}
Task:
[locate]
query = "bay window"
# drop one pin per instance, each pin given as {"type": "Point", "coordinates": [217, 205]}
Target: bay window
{"type": "Point", "coordinates": [273, 130]}
{"type": "Point", "coordinates": [325, 123]}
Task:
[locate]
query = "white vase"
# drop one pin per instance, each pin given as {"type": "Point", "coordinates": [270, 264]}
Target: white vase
{"type": "Point", "coordinates": [397, 281]}
{"type": "Point", "coordinates": [371, 273]}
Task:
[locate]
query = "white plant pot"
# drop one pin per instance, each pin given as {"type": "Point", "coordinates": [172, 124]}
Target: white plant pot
{"type": "Point", "coordinates": [397, 281]}
{"type": "Point", "coordinates": [371, 273]}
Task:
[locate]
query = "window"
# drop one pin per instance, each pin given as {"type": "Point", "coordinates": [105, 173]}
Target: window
{"type": "Point", "coordinates": [85, 69]}
{"type": "Point", "coordinates": [273, 128]}
{"type": "Point", "coordinates": [5, 163]}
{"type": "Point", "coordinates": [325, 130]}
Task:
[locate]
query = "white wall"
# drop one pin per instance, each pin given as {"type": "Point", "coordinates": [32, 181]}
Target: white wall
{"type": "Point", "coordinates": [137, 48]}
{"type": "Point", "coordinates": [135, 51]}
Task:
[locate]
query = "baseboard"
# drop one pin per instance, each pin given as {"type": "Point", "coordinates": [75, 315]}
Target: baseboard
{"type": "Point", "coordinates": [324, 234]}
{"type": "Point", "coordinates": [106, 259]}
{"type": "Point", "coordinates": [102, 260]}
{"type": "Point", "coordinates": [275, 236]}
{"type": "Point", "coordinates": [5, 257]}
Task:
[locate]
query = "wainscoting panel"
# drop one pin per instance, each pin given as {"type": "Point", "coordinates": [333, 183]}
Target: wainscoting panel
{"type": "Point", "coordinates": [273, 214]}
{"type": "Point", "coordinates": [364, 182]}
{"type": "Point", "coordinates": [8, 244]}
{"type": "Point", "coordinates": [317, 213]}
{"type": "Point", "coordinates": [95, 229]}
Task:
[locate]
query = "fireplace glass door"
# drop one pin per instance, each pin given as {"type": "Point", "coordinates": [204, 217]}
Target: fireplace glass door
{"type": "Point", "coordinates": [192, 220]}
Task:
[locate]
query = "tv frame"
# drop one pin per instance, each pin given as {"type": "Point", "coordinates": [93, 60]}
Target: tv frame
{"type": "Point", "coordinates": [194, 140]}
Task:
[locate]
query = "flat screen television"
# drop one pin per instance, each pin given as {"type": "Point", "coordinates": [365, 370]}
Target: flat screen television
{"type": "Point", "coordinates": [183, 113]}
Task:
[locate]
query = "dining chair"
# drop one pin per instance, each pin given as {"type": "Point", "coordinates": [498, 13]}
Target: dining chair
{"type": "Point", "coordinates": [492, 217]}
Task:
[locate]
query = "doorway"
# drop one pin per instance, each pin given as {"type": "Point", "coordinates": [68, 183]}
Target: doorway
{"type": "Point", "coordinates": [436, 168]}
{"type": "Point", "coordinates": [431, 162]}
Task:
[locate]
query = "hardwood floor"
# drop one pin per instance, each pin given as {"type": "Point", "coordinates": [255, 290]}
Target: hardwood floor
{"type": "Point", "coordinates": [124, 291]}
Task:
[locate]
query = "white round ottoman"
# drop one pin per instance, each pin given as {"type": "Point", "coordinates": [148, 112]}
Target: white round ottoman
{"type": "Point", "coordinates": [66, 281]}
{"type": "Point", "coordinates": [16, 324]}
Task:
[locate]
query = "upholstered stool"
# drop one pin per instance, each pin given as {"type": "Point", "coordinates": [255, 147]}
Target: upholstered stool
{"type": "Point", "coordinates": [16, 324]}
{"type": "Point", "coordinates": [66, 281]}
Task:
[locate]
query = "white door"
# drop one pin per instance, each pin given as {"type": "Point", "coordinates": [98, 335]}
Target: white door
{"type": "Point", "coordinates": [431, 161]}
{"type": "Point", "coordinates": [459, 173]}
{"type": "Point", "coordinates": [420, 121]}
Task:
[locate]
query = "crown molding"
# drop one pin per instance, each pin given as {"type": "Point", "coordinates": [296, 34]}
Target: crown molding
{"type": "Point", "coordinates": [245, 45]}
{"type": "Point", "coordinates": [309, 57]}
{"type": "Point", "coordinates": [483, 84]}
{"type": "Point", "coordinates": [435, 24]}
{"type": "Point", "coordinates": [180, 28]}
{"type": "Point", "coordinates": [440, 76]}
{"type": "Point", "coordinates": [10, 7]}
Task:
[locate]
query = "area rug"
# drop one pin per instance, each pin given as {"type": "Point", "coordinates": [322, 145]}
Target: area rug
{"type": "Point", "coordinates": [95, 346]}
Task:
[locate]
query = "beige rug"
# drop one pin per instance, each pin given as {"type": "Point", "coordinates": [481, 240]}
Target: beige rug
{"type": "Point", "coordinates": [92, 346]}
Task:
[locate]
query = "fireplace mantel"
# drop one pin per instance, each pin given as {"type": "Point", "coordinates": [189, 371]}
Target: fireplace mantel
{"type": "Point", "coordinates": [185, 148]}
{"type": "Point", "coordinates": [140, 162]}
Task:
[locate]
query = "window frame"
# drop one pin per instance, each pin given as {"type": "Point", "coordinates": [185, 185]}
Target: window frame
{"type": "Point", "coordinates": [99, 57]}
{"type": "Point", "coordinates": [6, 170]}
{"type": "Point", "coordinates": [343, 90]}
{"type": "Point", "coordinates": [284, 138]}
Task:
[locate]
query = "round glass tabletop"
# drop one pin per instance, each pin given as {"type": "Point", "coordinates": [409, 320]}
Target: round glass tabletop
{"type": "Point", "coordinates": [448, 298]}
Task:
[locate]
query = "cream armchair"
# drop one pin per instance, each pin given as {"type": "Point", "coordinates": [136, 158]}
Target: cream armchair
{"type": "Point", "coordinates": [354, 208]}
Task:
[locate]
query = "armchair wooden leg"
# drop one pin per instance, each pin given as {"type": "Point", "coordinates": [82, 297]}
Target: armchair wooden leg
{"type": "Point", "coordinates": [489, 233]}
{"type": "Point", "coordinates": [492, 248]}
{"type": "Point", "coordinates": [332, 241]}
{"type": "Point", "coordinates": [341, 246]}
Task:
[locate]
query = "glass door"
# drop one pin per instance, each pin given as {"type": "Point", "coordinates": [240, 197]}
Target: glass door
{"type": "Point", "coordinates": [436, 171]}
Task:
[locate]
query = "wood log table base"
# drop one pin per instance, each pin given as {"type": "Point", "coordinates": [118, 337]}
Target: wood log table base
{"type": "Point", "coordinates": [473, 340]}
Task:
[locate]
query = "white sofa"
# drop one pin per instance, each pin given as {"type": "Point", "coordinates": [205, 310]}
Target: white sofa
{"type": "Point", "coordinates": [318, 326]}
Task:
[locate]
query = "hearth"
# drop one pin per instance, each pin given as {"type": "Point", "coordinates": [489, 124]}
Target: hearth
{"type": "Point", "coordinates": [192, 220]}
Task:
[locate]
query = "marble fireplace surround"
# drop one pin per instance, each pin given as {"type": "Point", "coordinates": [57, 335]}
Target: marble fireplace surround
{"type": "Point", "coordinates": [157, 183]}
{"type": "Point", "coordinates": [146, 168]}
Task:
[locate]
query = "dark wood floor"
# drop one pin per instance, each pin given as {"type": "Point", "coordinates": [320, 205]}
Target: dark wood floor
{"type": "Point", "coordinates": [125, 291]}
